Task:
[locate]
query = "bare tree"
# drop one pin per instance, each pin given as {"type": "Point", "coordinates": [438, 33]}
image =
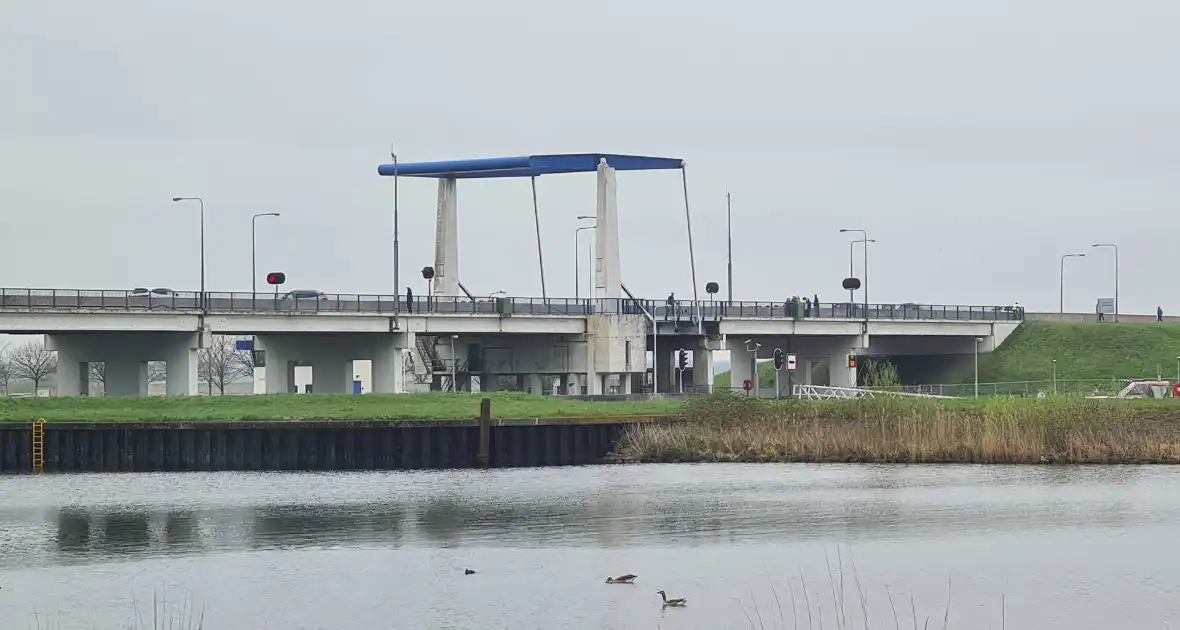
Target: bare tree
{"type": "Point", "coordinates": [5, 368]}
{"type": "Point", "coordinates": [221, 364]}
{"type": "Point", "coordinates": [31, 361]}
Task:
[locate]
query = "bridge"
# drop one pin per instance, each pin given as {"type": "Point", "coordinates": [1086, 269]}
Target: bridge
{"type": "Point", "coordinates": [592, 346]}
{"type": "Point", "coordinates": [455, 340]}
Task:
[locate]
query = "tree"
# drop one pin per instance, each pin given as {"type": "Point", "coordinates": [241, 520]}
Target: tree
{"type": "Point", "coordinates": [5, 368]}
{"type": "Point", "coordinates": [31, 361]}
{"type": "Point", "coordinates": [221, 364]}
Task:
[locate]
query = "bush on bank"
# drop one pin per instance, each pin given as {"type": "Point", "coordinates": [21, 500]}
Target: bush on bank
{"type": "Point", "coordinates": [734, 428]}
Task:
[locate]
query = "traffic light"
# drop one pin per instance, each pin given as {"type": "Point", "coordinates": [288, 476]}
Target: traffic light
{"type": "Point", "coordinates": [682, 360]}
{"type": "Point", "coordinates": [852, 360]}
{"type": "Point", "coordinates": [779, 359]}
{"type": "Point", "coordinates": [276, 278]}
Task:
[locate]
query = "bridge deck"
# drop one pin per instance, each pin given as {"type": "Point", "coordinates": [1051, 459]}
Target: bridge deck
{"type": "Point", "coordinates": [33, 300]}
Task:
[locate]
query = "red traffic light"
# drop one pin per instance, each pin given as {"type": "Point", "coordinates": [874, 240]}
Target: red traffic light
{"type": "Point", "coordinates": [276, 277]}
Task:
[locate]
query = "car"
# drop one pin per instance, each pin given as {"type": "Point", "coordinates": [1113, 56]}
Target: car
{"type": "Point", "coordinates": [304, 294]}
{"type": "Point", "coordinates": [159, 291]}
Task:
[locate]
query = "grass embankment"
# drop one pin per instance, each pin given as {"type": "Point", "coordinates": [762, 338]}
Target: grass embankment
{"type": "Point", "coordinates": [1083, 351]}
{"type": "Point", "coordinates": [729, 428]}
{"type": "Point", "coordinates": [434, 406]}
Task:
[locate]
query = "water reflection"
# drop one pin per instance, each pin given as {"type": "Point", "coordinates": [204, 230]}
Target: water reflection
{"type": "Point", "coordinates": [355, 550]}
{"type": "Point", "coordinates": [604, 509]}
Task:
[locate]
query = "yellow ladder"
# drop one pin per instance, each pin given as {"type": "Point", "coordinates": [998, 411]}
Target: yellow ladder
{"type": "Point", "coordinates": [39, 445]}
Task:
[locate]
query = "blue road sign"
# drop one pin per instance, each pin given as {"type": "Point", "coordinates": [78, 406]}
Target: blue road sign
{"type": "Point", "coordinates": [244, 345]}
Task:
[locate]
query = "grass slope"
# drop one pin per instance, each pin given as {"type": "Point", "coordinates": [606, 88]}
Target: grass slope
{"type": "Point", "coordinates": [436, 406]}
{"type": "Point", "coordinates": [1083, 351]}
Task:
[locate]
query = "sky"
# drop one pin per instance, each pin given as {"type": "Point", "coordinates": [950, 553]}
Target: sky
{"type": "Point", "coordinates": [975, 142]}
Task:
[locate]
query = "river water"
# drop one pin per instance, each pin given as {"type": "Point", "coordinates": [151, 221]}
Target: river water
{"type": "Point", "coordinates": [1044, 547]}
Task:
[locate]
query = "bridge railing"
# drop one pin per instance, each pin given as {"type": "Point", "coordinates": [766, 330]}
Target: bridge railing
{"type": "Point", "coordinates": [681, 311]}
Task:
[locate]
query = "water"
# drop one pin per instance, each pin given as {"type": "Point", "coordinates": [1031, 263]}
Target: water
{"type": "Point", "coordinates": [1077, 548]}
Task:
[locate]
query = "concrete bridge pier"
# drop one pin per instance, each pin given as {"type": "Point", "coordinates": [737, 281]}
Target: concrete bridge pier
{"type": "Point", "coordinates": [126, 357]}
{"type": "Point", "coordinates": [839, 372]}
{"type": "Point", "coordinates": [331, 357]}
{"type": "Point", "coordinates": [741, 364]}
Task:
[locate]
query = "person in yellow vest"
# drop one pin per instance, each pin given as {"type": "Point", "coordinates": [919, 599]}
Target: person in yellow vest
{"type": "Point", "coordinates": [1016, 312]}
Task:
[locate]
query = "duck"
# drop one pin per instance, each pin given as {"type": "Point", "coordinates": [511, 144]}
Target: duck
{"type": "Point", "coordinates": [468, 571]}
{"type": "Point", "coordinates": [622, 579]}
{"type": "Point", "coordinates": [672, 603]}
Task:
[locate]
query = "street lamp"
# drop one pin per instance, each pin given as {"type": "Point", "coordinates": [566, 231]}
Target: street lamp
{"type": "Point", "coordinates": [1116, 275]}
{"type": "Point", "coordinates": [577, 262]}
{"type": "Point", "coordinates": [1061, 282]}
{"type": "Point", "coordinates": [978, 340]}
{"type": "Point", "coordinates": [851, 268]}
{"type": "Point", "coordinates": [253, 249]}
{"type": "Point", "coordinates": [201, 203]}
{"type": "Point", "coordinates": [454, 366]}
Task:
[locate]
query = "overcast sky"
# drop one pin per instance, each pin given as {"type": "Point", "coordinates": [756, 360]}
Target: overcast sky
{"type": "Point", "coordinates": [976, 141]}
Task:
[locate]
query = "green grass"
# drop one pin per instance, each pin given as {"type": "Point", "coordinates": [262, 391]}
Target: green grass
{"type": "Point", "coordinates": [435, 406]}
{"type": "Point", "coordinates": [1083, 351]}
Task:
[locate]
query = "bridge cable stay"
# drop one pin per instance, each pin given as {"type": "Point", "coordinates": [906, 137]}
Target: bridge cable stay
{"type": "Point", "coordinates": [696, 304]}
{"type": "Point", "coordinates": [537, 223]}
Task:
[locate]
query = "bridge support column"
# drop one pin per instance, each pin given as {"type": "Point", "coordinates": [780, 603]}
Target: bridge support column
{"type": "Point", "coordinates": [126, 378]}
{"type": "Point", "coordinates": [446, 240]}
{"type": "Point", "coordinates": [839, 373]}
{"type": "Point", "coordinates": [741, 366]}
{"type": "Point", "coordinates": [180, 364]}
{"type": "Point", "coordinates": [533, 384]}
{"type": "Point", "coordinates": [389, 365]}
{"type": "Point", "coordinates": [702, 371]}
{"type": "Point", "coordinates": [331, 375]}
{"type": "Point", "coordinates": [73, 375]}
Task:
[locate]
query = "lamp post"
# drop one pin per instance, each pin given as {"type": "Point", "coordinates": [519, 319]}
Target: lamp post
{"type": "Point", "coordinates": [729, 246]}
{"type": "Point", "coordinates": [201, 204]}
{"type": "Point", "coordinates": [1116, 275]}
{"type": "Point", "coordinates": [254, 247]}
{"type": "Point", "coordinates": [577, 262]}
{"type": "Point", "coordinates": [1061, 282]}
{"type": "Point", "coordinates": [977, 342]}
{"type": "Point", "coordinates": [851, 268]}
{"type": "Point", "coordinates": [454, 366]}
{"type": "Point", "coordinates": [1054, 376]}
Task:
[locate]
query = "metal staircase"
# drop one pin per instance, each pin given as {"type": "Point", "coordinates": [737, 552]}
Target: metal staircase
{"type": "Point", "coordinates": [457, 381]}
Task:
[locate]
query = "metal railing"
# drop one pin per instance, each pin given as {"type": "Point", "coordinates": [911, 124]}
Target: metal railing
{"type": "Point", "coordinates": [1079, 387]}
{"type": "Point", "coordinates": [661, 310]}
{"type": "Point", "coordinates": [824, 392]}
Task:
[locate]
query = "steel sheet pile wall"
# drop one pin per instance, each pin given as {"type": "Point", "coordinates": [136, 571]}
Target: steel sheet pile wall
{"type": "Point", "coordinates": [140, 447]}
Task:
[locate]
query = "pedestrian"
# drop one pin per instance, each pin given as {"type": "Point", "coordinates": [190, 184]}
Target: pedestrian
{"type": "Point", "coordinates": [1159, 313]}
{"type": "Point", "coordinates": [409, 300]}
{"type": "Point", "coordinates": [806, 306]}
{"type": "Point", "coordinates": [671, 301]}
{"type": "Point", "coordinates": [1098, 311]}
{"type": "Point", "coordinates": [815, 304]}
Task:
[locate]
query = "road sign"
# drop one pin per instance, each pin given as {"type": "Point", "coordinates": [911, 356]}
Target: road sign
{"type": "Point", "coordinates": [747, 385]}
{"type": "Point", "coordinates": [244, 345]}
{"type": "Point", "coordinates": [1106, 306]}
{"type": "Point", "coordinates": [779, 360]}
{"type": "Point", "coordinates": [791, 364]}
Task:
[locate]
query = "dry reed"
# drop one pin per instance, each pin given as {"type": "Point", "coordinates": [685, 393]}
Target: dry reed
{"type": "Point", "coordinates": [733, 428]}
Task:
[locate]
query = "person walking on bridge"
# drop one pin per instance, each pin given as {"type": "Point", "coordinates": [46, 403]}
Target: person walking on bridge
{"type": "Point", "coordinates": [409, 300]}
{"type": "Point", "coordinates": [671, 305]}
